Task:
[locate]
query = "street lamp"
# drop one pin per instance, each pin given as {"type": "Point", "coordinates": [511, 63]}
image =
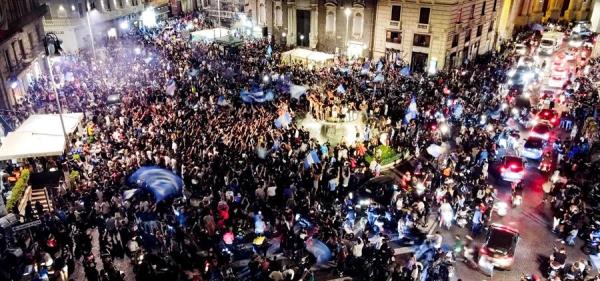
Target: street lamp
{"type": "Point", "coordinates": [124, 25]}
{"type": "Point", "coordinates": [347, 12]}
{"type": "Point", "coordinates": [90, 7]}
{"type": "Point", "coordinates": [52, 40]}
{"type": "Point", "coordinates": [302, 39]}
{"type": "Point", "coordinates": [149, 17]}
{"type": "Point", "coordinates": [283, 37]}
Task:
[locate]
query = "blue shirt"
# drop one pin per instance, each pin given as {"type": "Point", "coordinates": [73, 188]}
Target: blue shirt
{"type": "Point", "coordinates": [477, 216]}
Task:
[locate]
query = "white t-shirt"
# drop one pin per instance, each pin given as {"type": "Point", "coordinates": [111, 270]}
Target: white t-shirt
{"type": "Point", "coordinates": [271, 191]}
{"type": "Point", "coordinates": [357, 248]}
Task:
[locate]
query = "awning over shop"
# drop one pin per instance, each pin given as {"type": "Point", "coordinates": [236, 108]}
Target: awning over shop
{"type": "Point", "coordinates": [230, 41]}
{"type": "Point", "coordinates": [306, 56]}
{"type": "Point", "coordinates": [209, 34]}
{"type": "Point", "coordinates": [40, 135]}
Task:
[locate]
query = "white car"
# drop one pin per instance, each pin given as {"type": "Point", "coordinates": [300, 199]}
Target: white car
{"type": "Point", "coordinates": [547, 46]}
{"type": "Point", "coordinates": [512, 169]}
{"type": "Point", "coordinates": [533, 148]}
{"type": "Point", "coordinates": [560, 71]}
{"type": "Point", "coordinates": [521, 49]}
{"type": "Point", "coordinates": [557, 81]}
{"type": "Point", "coordinates": [570, 54]}
{"type": "Point", "coordinates": [575, 41]}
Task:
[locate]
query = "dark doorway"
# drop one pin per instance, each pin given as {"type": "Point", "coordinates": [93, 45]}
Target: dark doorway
{"type": "Point", "coordinates": [465, 57]}
{"type": "Point", "coordinates": [302, 27]}
{"type": "Point", "coordinates": [418, 62]}
{"type": "Point", "coordinates": [545, 6]}
{"type": "Point", "coordinates": [564, 8]}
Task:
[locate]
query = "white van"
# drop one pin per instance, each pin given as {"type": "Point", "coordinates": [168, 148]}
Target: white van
{"type": "Point", "coordinates": [551, 41]}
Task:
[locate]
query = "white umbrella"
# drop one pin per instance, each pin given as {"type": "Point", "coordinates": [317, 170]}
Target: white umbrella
{"type": "Point", "coordinates": [435, 150]}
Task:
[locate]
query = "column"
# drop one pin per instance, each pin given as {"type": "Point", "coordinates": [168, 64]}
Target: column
{"type": "Point", "coordinates": [291, 35]}
{"type": "Point", "coordinates": [525, 8]}
{"type": "Point", "coordinates": [569, 13]}
{"type": "Point", "coordinates": [595, 18]}
{"type": "Point", "coordinates": [514, 13]}
{"type": "Point", "coordinates": [314, 26]}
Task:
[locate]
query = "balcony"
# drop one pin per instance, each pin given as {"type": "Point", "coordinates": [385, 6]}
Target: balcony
{"type": "Point", "coordinates": [63, 22]}
{"type": "Point", "coordinates": [17, 26]}
{"type": "Point", "coordinates": [157, 3]}
{"type": "Point", "coordinates": [358, 3]}
{"type": "Point", "coordinates": [395, 25]}
{"type": "Point", "coordinates": [117, 13]}
{"type": "Point", "coordinates": [224, 14]}
{"type": "Point", "coordinates": [421, 27]}
{"type": "Point", "coordinates": [16, 68]}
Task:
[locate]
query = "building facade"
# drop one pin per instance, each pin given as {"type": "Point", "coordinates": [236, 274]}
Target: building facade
{"type": "Point", "coordinates": [519, 13]}
{"type": "Point", "coordinates": [333, 26]}
{"type": "Point", "coordinates": [228, 8]}
{"type": "Point", "coordinates": [431, 35]}
{"type": "Point", "coordinates": [69, 20]}
{"type": "Point", "coordinates": [21, 48]}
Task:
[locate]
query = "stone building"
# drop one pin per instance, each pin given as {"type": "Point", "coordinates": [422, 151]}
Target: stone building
{"type": "Point", "coordinates": [69, 20]}
{"type": "Point", "coordinates": [21, 47]}
{"type": "Point", "coordinates": [519, 13]}
{"type": "Point", "coordinates": [432, 35]}
{"type": "Point", "coordinates": [333, 26]}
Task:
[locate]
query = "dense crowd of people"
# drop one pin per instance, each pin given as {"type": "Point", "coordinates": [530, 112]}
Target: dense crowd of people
{"type": "Point", "coordinates": [253, 190]}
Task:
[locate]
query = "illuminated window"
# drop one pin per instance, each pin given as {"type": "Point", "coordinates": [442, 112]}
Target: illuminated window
{"type": "Point", "coordinates": [421, 40]}
{"type": "Point", "coordinates": [393, 37]}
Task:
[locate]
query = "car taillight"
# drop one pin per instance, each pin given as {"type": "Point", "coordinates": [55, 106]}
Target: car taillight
{"type": "Point", "coordinates": [502, 169]}
{"type": "Point", "coordinates": [553, 120]}
{"type": "Point", "coordinates": [483, 251]}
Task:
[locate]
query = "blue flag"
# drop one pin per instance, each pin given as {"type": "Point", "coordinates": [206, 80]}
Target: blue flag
{"type": "Point", "coordinates": [311, 158]}
{"type": "Point", "coordinates": [283, 120]}
{"type": "Point", "coordinates": [269, 51]}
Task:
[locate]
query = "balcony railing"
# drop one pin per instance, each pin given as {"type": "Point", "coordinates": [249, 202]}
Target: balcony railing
{"type": "Point", "coordinates": [223, 14]}
{"type": "Point", "coordinates": [395, 24]}
{"type": "Point", "coordinates": [96, 17]}
{"type": "Point", "coordinates": [157, 3]}
{"type": "Point", "coordinates": [118, 13]}
{"type": "Point", "coordinates": [63, 22]}
{"type": "Point", "coordinates": [17, 26]}
{"type": "Point", "coordinates": [421, 27]}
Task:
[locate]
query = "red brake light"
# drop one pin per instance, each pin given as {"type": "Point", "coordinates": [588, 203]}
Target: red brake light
{"type": "Point", "coordinates": [502, 169]}
{"type": "Point", "coordinates": [546, 113]}
{"type": "Point", "coordinates": [513, 166]}
{"type": "Point", "coordinates": [553, 119]}
{"type": "Point", "coordinates": [483, 251]}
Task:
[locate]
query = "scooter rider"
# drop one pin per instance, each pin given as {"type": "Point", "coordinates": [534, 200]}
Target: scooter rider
{"type": "Point", "coordinates": [557, 261]}
{"type": "Point", "coordinates": [517, 194]}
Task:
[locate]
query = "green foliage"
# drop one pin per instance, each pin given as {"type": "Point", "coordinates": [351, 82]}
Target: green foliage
{"type": "Point", "coordinates": [383, 154]}
{"type": "Point", "coordinates": [74, 176]}
{"type": "Point", "coordinates": [18, 190]}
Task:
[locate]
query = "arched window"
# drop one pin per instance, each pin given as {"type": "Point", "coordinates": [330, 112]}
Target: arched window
{"type": "Point", "coordinates": [357, 25]}
{"type": "Point", "coordinates": [262, 14]}
{"type": "Point", "coordinates": [330, 22]}
{"type": "Point", "coordinates": [278, 16]}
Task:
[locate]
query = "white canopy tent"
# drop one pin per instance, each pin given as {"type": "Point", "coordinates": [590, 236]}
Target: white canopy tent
{"type": "Point", "coordinates": [210, 34]}
{"type": "Point", "coordinates": [40, 135]}
{"type": "Point", "coordinates": [306, 56]}
{"type": "Point", "coordinates": [49, 124]}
